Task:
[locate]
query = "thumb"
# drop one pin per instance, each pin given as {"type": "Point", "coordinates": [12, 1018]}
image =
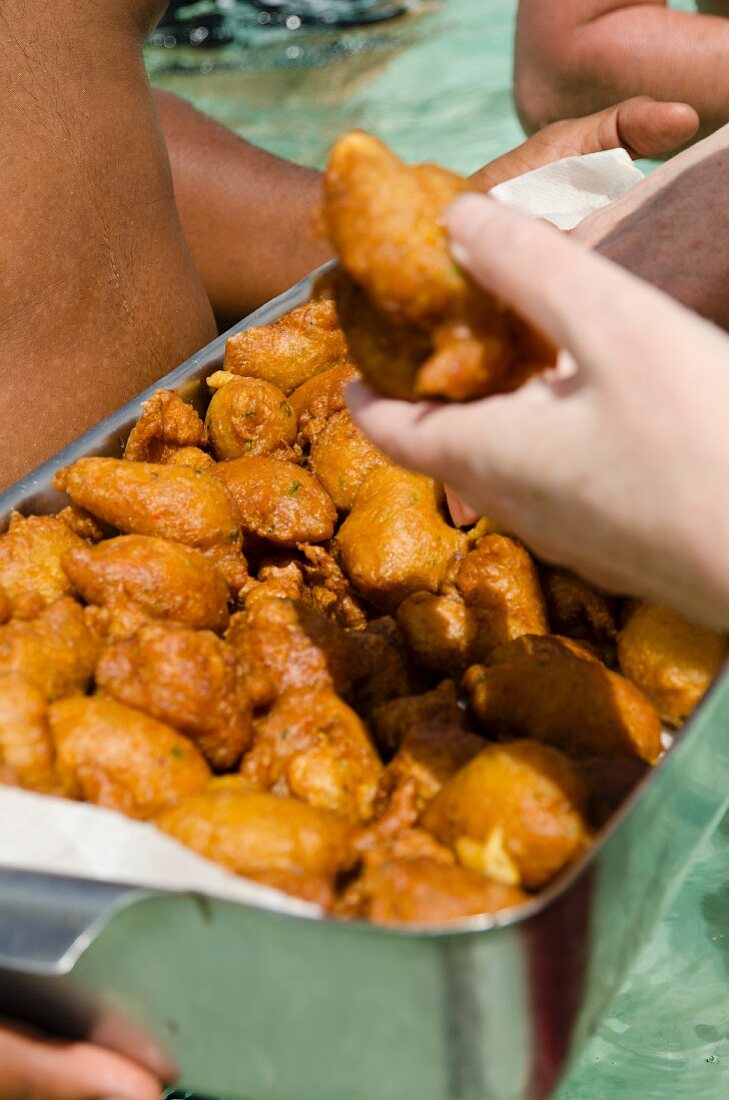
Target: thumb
{"type": "Point", "coordinates": [649, 128]}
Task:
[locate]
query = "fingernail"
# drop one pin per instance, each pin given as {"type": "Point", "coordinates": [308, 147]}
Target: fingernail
{"type": "Point", "coordinates": [464, 220]}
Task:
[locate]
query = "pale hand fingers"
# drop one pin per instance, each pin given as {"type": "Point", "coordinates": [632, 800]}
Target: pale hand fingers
{"type": "Point", "coordinates": [584, 303]}
{"type": "Point", "coordinates": [37, 1069]}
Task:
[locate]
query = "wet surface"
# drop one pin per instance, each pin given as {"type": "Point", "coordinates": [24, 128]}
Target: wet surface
{"type": "Point", "coordinates": [435, 83]}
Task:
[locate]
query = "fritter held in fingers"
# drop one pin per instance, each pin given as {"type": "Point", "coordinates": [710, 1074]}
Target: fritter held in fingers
{"type": "Point", "coordinates": [56, 651]}
{"type": "Point", "coordinates": [395, 540]}
{"type": "Point", "coordinates": [26, 748]}
{"type": "Point", "coordinates": [671, 660]}
{"type": "Point", "coordinates": [254, 834]}
{"type": "Point", "coordinates": [278, 502]}
{"type": "Point", "coordinates": [144, 498]}
{"type": "Point", "coordinates": [303, 343]}
{"type": "Point", "coordinates": [167, 425]}
{"type": "Point", "coordinates": [189, 679]}
{"type": "Point", "coordinates": [342, 457]}
{"type": "Point", "coordinates": [441, 336]}
{"type": "Point", "coordinates": [553, 690]}
{"type": "Point", "coordinates": [31, 552]}
{"type": "Point", "coordinates": [122, 759]}
{"type": "Point", "coordinates": [313, 746]}
{"type": "Point", "coordinates": [515, 812]}
{"type": "Point", "coordinates": [163, 579]}
{"type": "Point", "coordinates": [248, 416]}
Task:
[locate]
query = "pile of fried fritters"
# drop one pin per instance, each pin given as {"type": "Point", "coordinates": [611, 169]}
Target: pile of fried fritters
{"type": "Point", "coordinates": [258, 633]}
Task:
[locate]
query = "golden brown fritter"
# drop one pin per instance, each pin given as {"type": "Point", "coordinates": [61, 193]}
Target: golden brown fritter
{"type": "Point", "coordinates": [387, 355]}
{"type": "Point", "coordinates": [439, 630]}
{"type": "Point", "coordinates": [303, 343]}
{"type": "Point", "coordinates": [500, 585]}
{"type": "Point", "coordinates": [30, 562]}
{"type": "Point", "coordinates": [26, 748]}
{"type": "Point", "coordinates": [253, 834]}
{"type": "Point", "coordinates": [282, 645]}
{"type": "Point", "coordinates": [342, 457]}
{"type": "Point", "coordinates": [514, 812]}
{"type": "Point", "coordinates": [497, 597]}
{"type": "Point", "coordinates": [425, 891]}
{"type": "Point", "coordinates": [192, 457]}
{"type": "Point", "coordinates": [551, 689]}
{"type": "Point", "coordinates": [671, 660]}
{"type": "Point", "coordinates": [248, 416]}
{"type": "Point", "coordinates": [322, 396]}
{"type": "Point", "coordinates": [329, 588]}
{"type": "Point", "coordinates": [167, 425]}
{"type": "Point", "coordinates": [316, 889]}
{"type": "Point", "coordinates": [313, 746]}
{"type": "Point", "coordinates": [143, 498]}
{"type": "Point", "coordinates": [82, 523]}
{"type": "Point", "coordinates": [395, 541]}
{"type": "Point", "coordinates": [119, 758]}
{"type": "Point", "coordinates": [277, 501]}
{"type": "Point", "coordinates": [186, 678]}
{"type": "Point", "coordinates": [6, 607]}
{"type": "Point", "coordinates": [577, 609]}
{"type": "Point", "coordinates": [56, 651]}
{"type": "Point", "coordinates": [424, 328]}
{"type": "Point", "coordinates": [164, 579]}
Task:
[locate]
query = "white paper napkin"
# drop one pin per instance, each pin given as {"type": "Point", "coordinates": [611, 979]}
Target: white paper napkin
{"type": "Point", "coordinates": [568, 190]}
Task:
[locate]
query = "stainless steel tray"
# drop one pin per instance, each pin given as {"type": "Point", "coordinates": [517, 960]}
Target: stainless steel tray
{"type": "Point", "coordinates": [254, 1005]}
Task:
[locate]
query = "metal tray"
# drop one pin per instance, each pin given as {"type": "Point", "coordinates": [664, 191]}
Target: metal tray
{"type": "Point", "coordinates": [255, 1005]}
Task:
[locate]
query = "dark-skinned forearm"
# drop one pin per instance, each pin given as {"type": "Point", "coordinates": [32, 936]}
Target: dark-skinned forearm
{"type": "Point", "coordinates": [247, 215]}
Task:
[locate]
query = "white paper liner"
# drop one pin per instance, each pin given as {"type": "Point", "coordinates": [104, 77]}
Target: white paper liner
{"type": "Point", "coordinates": [56, 836]}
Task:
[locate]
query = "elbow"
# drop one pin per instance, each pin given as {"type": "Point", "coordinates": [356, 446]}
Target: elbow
{"type": "Point", "coordinates": [550, 85]}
